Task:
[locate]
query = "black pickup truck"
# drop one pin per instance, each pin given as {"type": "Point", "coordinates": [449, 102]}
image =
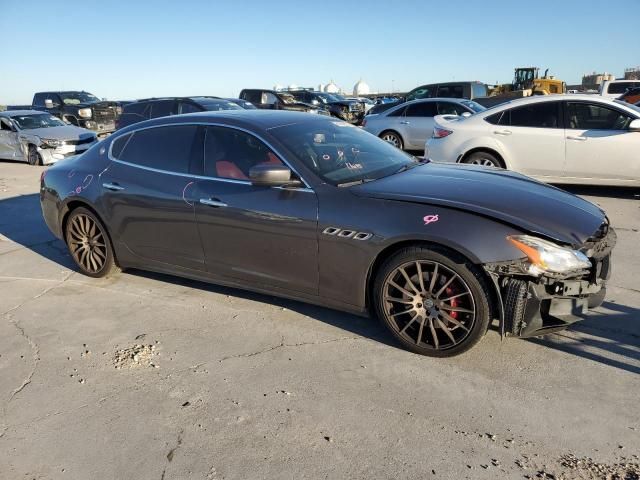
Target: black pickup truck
{"type": "Point", "coordinates": [77, 108]}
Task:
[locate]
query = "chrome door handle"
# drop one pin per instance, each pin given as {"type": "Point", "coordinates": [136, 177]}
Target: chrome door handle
{"type": "Point", "coordinates": [405, 123]}
{"type": "Point", "coordinates": [212, 203]}
{"type": "Point", "coordinates": [502, 132]}
{"type": "Point", "coordinates": [114, 187]}
{"type": "Point", "coordinates": [579, 139]}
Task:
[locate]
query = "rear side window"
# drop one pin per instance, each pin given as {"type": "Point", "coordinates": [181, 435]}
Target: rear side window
{"type": "Point", "coordinates": [118, 145]}
{"type": "Point", "coordinates": [421, 92]}
{"type": "Point", "coordinates": [188, 107]}
{"type": "Point", "coordinates": [590, 116]}
{"type": "Point", "coordinates": [174, 149]}
{"type": "Point", "coordinates": [399, 112]}
{"type": "Point", "coordinates": [621, 87]}
{"type": "Point", "coordinates": [162, 108]}
{"type": "Point", "coordinates": [252, 96]}
{"type": "Point", "coordinates": [137, 108]}
{"type": "Point", "coordinates": [497, 118]}
{"type": "Point", "coordinates": [537, 115]}
{"type": "Point", "coordinates": [422, 109]}
{"type": "Point", "coordinates": [450, 108]}
{"type": "Point", "coordinates": [451, 91]}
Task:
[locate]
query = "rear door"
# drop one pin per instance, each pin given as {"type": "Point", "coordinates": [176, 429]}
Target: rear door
{"type": "Point", "coordinates": [599, 144]}
{"type": "Point", "coordinates": [532, 138]}
{"type": "Point", "coordinates": [417, 125]}
{"type": "Point", "coordinates": [147, 194]}
{"type": "Point", "coordinates": [262, 236]}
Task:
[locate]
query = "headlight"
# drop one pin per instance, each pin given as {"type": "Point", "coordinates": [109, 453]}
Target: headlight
{"type": "Point", "coordinates": [545, 256]}
{"type": "Point", "coordinates": [50, 142]}
{"type": "Point", "coordinates": [84, 112]}
{"type": "Point", "coordinates": [313, 110]}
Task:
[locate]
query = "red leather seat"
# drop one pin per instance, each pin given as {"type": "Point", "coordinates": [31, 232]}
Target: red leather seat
{"type": "Point", "coordinates": [226, 169]}
{"type": "Point", "coordinates": [272, 160]}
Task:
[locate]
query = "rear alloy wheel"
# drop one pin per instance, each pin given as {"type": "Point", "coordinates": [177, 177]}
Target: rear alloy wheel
{"type": "Point", "coordinates": [433, 304]}
{"type": "Point", "coordinates": [485, 159]}
{"type": "Point", "coordinates": [393, 138]}
{"type": "Point", "coordinates": [89, 244]}
{"type": "Point", "coordinates": [34, 157]}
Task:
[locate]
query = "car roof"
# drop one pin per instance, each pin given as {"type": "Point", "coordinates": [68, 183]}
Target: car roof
{"type": "Point", "coordinates": [261, 119]}
{"type": "Point", "coordinates": [553, 97]}
{"type": "Point", "coordinates": [11, 113]}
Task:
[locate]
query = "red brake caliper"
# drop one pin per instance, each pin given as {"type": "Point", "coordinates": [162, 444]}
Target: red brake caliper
{"type": "Point", "coordinates": [453, 302]}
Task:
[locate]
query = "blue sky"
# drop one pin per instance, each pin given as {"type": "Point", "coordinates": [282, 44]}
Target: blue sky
{"type": "Point", "coordinates": [138, 48]}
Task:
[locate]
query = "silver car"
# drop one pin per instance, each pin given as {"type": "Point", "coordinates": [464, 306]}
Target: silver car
{"type": "Point", "coordinates": [408, 125]}
{"type": "Point", "coordinates": [40, 138]}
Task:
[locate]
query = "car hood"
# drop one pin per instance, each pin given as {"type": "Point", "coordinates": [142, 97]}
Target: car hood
{"type": "Point", "coordinates": [505, 196]}
{"type": "Point", "coordinates": [63, 132]}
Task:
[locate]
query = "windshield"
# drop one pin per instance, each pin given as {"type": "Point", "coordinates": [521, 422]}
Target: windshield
{"type": "Point", "coordinates": [476, 107]}
{"type": "Point", "coordinates": [218, 105]}
{"type": "Point", "coordinates": [37, 120]}
{"type": "Point", "coordinates": [74, 98]}
{"type": "Point", "coordinates": [327, 97]}
{"type": "Point", "coordinates": [340, 153]}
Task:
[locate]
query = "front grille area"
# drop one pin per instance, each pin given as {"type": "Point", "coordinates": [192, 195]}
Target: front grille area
{"type": "Point", "coordinates": [104, 114]}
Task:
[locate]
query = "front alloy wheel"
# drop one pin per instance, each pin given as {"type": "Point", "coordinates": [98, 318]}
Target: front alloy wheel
{"type": "Point", "coordinates": [434, 305]}
{"type": "Point", "coordinates": [89, 244]}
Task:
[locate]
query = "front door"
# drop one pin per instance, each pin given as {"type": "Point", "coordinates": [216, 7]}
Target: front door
{"type": "Point", "coordinates": [532, 137]}
{"type": "Point", "coordinates": [259, 235]}
{"type": "Point", "coordinates": [9, 143]}
{"type": "Point", "coordinates": [147, 194]}
{"type": "Point", "coordinates": [599, 144]}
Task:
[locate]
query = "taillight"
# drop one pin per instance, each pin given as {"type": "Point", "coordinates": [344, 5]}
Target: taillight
{"type": "Point", "coordinates": [441, 133]}
{"type": "Point", "coordinates": [42, 175]}
{"type": "Point", "coordinates": [364, 123]}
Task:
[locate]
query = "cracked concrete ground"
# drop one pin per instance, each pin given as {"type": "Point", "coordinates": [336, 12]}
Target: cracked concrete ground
{"type": "Point", "coordinates": [249, 386]}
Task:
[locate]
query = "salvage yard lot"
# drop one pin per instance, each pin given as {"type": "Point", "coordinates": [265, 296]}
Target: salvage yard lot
{"type": "Point", "coordinates": [151, 376]}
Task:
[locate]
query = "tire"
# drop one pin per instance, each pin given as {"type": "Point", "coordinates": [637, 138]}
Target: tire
{"type": "Point", "coordinates": [444, 315]}
{"type": "Point", "coordinates": [483, 158]}
{"type": "Point", "coordinates": [89, 244]}
{"type": "Point", "coordinates": [34, 157]}
{"type": "Point", "coordinates": [393, 138]}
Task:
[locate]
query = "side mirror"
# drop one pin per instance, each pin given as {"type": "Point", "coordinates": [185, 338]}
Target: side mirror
{"type": "Point", "coordinates": [634, 126]}
{"type": "Point", "coordinates": [315, 102]}
{"type": "Point", "coordinates": [48, 103]}
{"type": "Point", "coordinates": [466, 114]}
{"type": "Point", "coordinates": [270, 175]}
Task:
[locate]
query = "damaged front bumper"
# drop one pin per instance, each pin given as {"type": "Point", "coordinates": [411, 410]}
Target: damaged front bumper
{"type": "Point", "coordinates": [532, 306]}
{"type": "Point", "coordinates": [69, 148]}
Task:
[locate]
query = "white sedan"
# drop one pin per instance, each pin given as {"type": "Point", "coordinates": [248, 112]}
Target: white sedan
{"type": "Point", "coordinates": [409, 124]}
{"type": "Point", "coordinates": [555, 138]}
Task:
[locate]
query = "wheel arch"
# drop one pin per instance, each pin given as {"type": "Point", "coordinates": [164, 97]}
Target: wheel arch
{"type": "Point", "coordinates": [74, 204]}
{"type": "Point", "coordinates": [490, 150]}
{"type": "Point", "coordinates": [391, 249]}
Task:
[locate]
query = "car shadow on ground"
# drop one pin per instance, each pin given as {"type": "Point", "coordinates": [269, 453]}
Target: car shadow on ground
{"type": "Point", "coordinates": [609, 338]}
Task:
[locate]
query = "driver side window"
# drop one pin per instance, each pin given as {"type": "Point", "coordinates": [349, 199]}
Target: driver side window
{"type": "Point", "coordinates": [231, 153]}
{"type": "Point", "coordinates": [5, 126]}
{"type": "Point", "coordinates": [589, 116]}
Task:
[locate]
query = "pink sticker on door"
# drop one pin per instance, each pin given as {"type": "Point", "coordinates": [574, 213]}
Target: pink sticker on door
{"type": "Point", "coordinates": [430, 219]}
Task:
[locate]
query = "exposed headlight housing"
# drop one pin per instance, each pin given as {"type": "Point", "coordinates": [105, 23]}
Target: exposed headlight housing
{"type": "Point", "coordinates": [84, 112]}
{"type": "Point", "coordinates": [547, 257]}
{"type": "Point", "coordinates": [51, 142]}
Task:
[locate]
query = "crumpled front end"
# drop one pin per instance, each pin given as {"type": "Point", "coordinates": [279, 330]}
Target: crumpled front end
{"type": "Point", "coordinates": [544, 302]}
{"type": "Point", "coordinates": [51, 151]}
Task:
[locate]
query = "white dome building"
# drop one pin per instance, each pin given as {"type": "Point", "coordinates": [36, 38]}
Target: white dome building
{"type": "Point", "coordinates": [331, 88]}
{"type": "Point", "coordinates": [277, 87]}
{"type": "Point", "coordinates": [360, 89]}
{"type": "Point", "coordinates": [293, 86]}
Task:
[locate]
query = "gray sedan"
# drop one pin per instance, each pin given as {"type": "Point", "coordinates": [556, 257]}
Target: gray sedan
{"type": "Point", "coordinates": [40, 138]}
{"type": "Point", "coordinates": [408, 125]}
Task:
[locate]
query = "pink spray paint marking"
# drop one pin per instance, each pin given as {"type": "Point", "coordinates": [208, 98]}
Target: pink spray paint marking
{"type": "Point", "coordinates": [184, 192]}
{"type": "Point", "coordinates": [430, 219]}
